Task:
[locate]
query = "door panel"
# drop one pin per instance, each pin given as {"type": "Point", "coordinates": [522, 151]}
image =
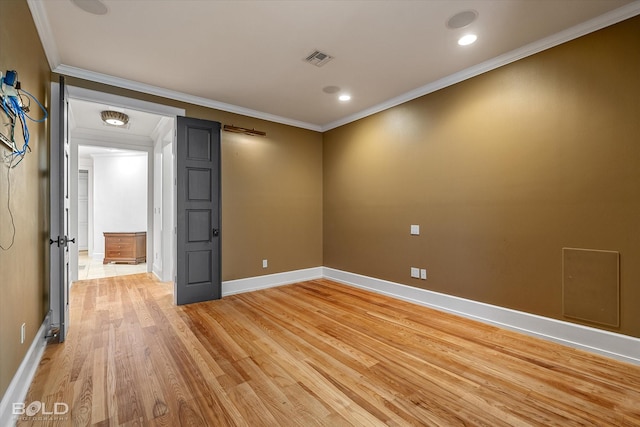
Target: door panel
{"type": "Point", "coordinates": [59, 206]}
{"type": "Point", "coordinates": [198, 275]}
{"type": "Point", "coordinates": [198, 225]}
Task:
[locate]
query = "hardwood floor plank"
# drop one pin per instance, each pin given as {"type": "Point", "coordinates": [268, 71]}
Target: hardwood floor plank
{"type": "Point", "coordinates": [315, 353]}
{"type": "Point", "coordinates": [99, 402]}
{"type": "Point", "coordinates": [111, 376]}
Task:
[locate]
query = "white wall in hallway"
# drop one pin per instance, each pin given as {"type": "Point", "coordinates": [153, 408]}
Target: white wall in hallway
{"type": "Point", "coordinates": [120, 196]}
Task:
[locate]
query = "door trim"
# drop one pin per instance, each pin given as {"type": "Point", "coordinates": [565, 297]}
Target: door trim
{"type": "Point", "coordinates": [75, 92]}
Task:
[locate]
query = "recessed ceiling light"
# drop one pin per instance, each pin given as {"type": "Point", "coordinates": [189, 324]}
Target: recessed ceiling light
{"type": "Point", "coordinates": [94, 7]}
{"type": "Point", "coordinates": [462, 19]}
{"type": "Point", "coordinates": [467, 40]}
{"type": "Point", "coordinates": [331, 89]}
{"type": "Point", "coordinates": [344, 97]}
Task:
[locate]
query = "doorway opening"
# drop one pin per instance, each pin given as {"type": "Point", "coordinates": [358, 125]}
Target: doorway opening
{"type": "Point", "coordinates": [122, 182]}
{"type": "Point", "coordinates": [112, 198]}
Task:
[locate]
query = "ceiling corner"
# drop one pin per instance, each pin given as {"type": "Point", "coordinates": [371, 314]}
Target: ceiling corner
{"type": "Point", "coordinates": [44, 32]}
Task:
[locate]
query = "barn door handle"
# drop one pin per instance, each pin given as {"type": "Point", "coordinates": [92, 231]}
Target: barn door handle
{"type": "Point", "coordinates": [216, 232]}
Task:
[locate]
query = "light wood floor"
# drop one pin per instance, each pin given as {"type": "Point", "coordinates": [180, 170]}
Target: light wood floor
{"type": "Point", "coordinates": [90, 268]}
{"type": "Point", "coordinates": [313, 353]}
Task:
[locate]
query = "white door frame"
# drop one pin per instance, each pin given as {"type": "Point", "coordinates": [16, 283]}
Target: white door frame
{"type": "Point", "coordinates": [88, 201]}
{"type": "Point", "coordinates": [89, 168]}
{"type": "Point", "coordinates": [121, 102]}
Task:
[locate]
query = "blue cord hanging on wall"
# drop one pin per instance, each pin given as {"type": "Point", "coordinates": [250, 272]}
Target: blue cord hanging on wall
{"type": "Point", "coordinates": [15, 103]}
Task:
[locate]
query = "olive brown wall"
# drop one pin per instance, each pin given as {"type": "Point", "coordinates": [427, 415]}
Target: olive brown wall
{"type": "Point", "coordinates": [24, 267]}
{"type": "Point", "coordinates": [501, 172]}
{"type": "Point", "coordinates": [271, 190]}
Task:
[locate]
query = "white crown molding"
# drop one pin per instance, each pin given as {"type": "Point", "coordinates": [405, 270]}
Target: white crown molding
{"type": "Point", "coordinates": [628, 11]}
{"type": "Point", "coordinates": [609, 344]}
{"type": "Point", "coordinates": [178, 96]}
{"type": "Point", "coordinates": [89, 95]}
{"type": "Point", "coordinates": [44, 32]}
{"type": "Point", "coordinates": [602, 21]}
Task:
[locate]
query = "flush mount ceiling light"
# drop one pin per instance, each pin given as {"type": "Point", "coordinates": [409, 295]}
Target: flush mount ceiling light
{"type": "Point", "coordinates": [114, 118]}
{"type": "Point", "coordinates": [94, 7]}
{"type": "Point", "coordinates": [344, 97]}
{"type": "Point", "coordinates": [467, 39]}
{"type": "Point", "coordinates": [251, 132]}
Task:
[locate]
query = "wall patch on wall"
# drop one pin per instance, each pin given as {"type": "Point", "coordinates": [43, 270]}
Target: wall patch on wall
{"type": "Point", "coordinates": [591, 285]}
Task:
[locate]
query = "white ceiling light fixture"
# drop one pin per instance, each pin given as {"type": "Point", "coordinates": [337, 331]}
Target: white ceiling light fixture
{"type": "Point", "coordinates": [467, 39]}
{"type": "Point", "coordinates": [114, 118]}
{"type": "Point", "coordinates": [344, 97]}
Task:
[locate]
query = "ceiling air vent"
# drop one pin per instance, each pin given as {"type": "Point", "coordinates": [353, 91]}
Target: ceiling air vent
{"type": "Point", "coordinates": [318, 58]}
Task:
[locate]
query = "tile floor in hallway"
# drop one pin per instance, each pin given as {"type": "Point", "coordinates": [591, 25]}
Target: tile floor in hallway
{"type": "Point", "coordinates": [89, 268]}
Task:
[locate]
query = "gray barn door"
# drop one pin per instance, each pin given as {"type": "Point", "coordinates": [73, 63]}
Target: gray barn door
{"type": "Point", "coordinates": [198, 275]}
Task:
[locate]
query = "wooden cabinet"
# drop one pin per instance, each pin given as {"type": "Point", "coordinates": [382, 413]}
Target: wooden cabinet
{"type": "Point", "coordinates": [130, 248]}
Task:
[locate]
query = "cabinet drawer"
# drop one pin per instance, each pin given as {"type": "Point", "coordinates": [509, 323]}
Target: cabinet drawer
{"type": "Point", "coordinates": [118, 239]}
{"type": "Point", "coordinates": [118, 253]}
{"type": "Point", "coordinates": [127, 246]}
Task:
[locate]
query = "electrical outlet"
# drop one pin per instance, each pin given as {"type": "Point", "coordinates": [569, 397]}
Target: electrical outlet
{"type": "Point", "coordinates": [423, 274]}
{"type": "Point", "coordinates": [265, 263]}
{"type": "Point", "coordinates": [415, 230]}
{"type": "Point", "coordinates": [415, 272]}
{"type": "Point", "coordinates": [23, 330]}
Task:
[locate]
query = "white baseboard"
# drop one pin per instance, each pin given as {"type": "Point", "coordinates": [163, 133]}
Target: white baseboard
{"type": "Point", "coordinates": [610, 344]}
{"type": "Point", "coordinates": [19, 386]}
{"type": "Point", "coordinates": [249, 284]}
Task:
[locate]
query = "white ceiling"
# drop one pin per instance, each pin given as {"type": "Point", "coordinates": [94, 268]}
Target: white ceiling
{"type": "Point", "coordinates": [247, 56]}
{"type": "Point", "coordinates": [88, 151]}
{"type": "Point", "coordinates": [85, 116]}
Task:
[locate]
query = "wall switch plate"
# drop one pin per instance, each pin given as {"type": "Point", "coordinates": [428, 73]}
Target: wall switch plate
{"type": "Point", "coordinates": [423, 274]}
{"type": "Point", "coordinates": [415, 272]}
{"type": "Point", "coordinates": [415, 230]}
{"type": "Point", "coordinates": [265, 263]}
